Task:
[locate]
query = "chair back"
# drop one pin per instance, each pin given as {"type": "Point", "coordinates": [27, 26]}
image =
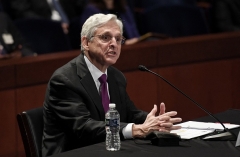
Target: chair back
{"type": "Point", "coordinates": [43, 35]}
{"type": "Point", "coordinates": [31, 128]}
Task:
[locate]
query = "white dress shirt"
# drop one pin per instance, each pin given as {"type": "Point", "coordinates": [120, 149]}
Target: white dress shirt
{"type": "Point", "coordinates": [96, 73]}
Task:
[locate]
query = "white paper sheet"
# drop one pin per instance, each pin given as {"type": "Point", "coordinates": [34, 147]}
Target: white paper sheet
{"type": "Point", "coordinates": [192, 129]}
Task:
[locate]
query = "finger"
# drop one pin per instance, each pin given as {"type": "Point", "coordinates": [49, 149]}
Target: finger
{"type": "Point", "coordinates": [175, 120]}
{"type": "Point", "coordinates": [171, 113]}
{"type": "Point", "coordinates": [154, 110]}
{"type": "Point", "coordinates": [164, 130]}
{"type": "Point", "coordinates": [166, 125]}
{"type": "Point", "coordinates": [175, 127]}
{"type": "Point", "coordinates": [162, 108]}
{"type": "Point", "coordinates": [164, 118]}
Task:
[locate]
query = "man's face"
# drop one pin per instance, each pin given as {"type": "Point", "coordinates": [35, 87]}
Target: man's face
{"type": "Point", "coordinates": [104, 48]}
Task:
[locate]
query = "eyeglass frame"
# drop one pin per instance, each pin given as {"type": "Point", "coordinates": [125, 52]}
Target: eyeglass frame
{"type": "Point", "coordinates": [100, 36]}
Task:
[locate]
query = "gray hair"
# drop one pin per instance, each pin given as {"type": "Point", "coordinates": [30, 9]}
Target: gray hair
{"type": "Point", "coordinates": [95, 21]}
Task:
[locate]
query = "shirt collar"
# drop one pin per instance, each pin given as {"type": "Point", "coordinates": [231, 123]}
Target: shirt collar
{"type": "Point", "coordinates": [95, 72]}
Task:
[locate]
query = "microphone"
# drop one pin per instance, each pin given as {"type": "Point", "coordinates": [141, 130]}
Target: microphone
{"type": "Point", "coordinates": [223, 135]}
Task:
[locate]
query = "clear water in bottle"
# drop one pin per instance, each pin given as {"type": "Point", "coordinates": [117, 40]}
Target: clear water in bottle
{"type": "Point", "coordinates": [112, 119]}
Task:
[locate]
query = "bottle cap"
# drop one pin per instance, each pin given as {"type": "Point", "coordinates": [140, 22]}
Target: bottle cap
{"type": "Point", "coordinates": [112, 105]}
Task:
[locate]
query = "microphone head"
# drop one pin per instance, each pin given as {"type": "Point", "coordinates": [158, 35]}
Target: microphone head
{"type": "Point", "coordinates": [142, 68]}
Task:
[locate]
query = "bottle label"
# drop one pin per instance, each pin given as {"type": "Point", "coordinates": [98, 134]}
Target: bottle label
{"type": "Point", "coordinates": [112, 122]}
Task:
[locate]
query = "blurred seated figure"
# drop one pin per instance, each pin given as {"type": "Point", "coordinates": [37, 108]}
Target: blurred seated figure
{"type": "Point", "coordinates": [141, 6]}
{"type": "Point", "coordinates": [226, 15]}
{"type": "Point", "coordinates": [47, 9]}
{"type": "Point", "coordinates": [73, 8]}
{"type": "Point", "coordinates": [119, 8]}
{"type": "Point", "coordinates": [44, 35]}
{"type": "Point", "coordinates": [150, 4]}
{"type": "Point", "coordinates": [12, 43]}
{"type": "Point", "coordinates": [174, 21]}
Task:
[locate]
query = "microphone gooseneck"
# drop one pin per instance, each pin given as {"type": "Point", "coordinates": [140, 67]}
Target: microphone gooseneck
{"type": "Point", "coordinates": [221, 136]}
{"type": "Point", "coordinates": [142, 68]}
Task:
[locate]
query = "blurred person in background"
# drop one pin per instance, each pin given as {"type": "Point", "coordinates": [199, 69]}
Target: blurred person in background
{"type": "Point", "coordinates": [118, 7]}
{"type": "Point", "coordinates": [47, 9]}
{"type": "Point", "coordinates": [226, 15]}
{"type": "Point", "coordinates": [12, 44]}
{"type": "Point", "coordinates": [73, 8]}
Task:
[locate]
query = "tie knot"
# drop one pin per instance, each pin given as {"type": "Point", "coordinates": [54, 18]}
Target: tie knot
{"type": "Point", "coordinates": [103, 78]}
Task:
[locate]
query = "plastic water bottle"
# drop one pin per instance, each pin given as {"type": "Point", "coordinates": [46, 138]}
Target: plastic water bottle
{"type": "Point", "coordinates": [112, 120]}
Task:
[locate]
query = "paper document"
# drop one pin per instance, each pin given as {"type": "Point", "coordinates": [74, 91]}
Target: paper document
{"type": "Point", "coordinates": [192, 129]}
{"type": "Point", "coordinates": [191, 133]}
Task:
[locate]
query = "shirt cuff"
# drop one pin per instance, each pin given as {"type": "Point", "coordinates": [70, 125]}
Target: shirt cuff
{"type": "Point", "coordinates": [127, 131]}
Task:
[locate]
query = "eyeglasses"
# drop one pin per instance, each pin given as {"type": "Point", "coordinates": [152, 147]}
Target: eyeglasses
{"type": "Point", "coordinates": [106, 38]}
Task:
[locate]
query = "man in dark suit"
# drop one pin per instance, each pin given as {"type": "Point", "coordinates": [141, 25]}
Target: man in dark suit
{"type": "Point", "coordinates": [73, 111]}
{"type": "Point", "coordinates": [12, 43]}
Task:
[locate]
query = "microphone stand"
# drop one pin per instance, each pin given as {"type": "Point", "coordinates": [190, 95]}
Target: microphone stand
{"type": "Point", "coordinates": [222, 135]}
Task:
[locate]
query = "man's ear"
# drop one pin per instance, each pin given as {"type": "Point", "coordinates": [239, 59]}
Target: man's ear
{"type": "Point", "coordinates": [84, 42]}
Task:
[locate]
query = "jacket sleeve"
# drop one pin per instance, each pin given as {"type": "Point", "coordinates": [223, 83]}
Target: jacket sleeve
{"type": "Point", "coordinates": [67, 109]}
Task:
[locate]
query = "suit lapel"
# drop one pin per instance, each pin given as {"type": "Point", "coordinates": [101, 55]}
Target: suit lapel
{"type": "Point", "coordinates": [89, 84]}
{"type": "Point", "coordinates": [114, 90]}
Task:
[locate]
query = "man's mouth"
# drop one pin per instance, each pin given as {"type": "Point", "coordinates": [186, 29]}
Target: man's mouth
{"type": "Point", "coordinates": [112, 53]}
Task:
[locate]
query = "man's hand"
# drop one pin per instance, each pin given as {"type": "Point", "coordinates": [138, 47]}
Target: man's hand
{"type": "Point", "coordinates": [163, 122]}
{"type": "Point", "coordinates": [131, 41]}
{"type": "Point", "coordinates": [65, 27]}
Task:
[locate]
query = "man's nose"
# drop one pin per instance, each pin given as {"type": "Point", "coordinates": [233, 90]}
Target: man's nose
{"type": "Point", "coordinates": [111, 46]}
{"type": "Point", "coordinates": [113, 42]}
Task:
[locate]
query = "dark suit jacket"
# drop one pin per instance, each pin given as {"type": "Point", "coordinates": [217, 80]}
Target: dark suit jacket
{"type": "Point", "coordinates": [31, 9]}
{"type": "Point", "coordinates": [73, 112]}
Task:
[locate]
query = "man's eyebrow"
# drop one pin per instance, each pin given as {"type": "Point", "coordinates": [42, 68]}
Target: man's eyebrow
{"type": "Point", "coordinates": [109, 33]}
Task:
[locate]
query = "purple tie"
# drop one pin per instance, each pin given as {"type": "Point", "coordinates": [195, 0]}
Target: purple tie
{"type": "Point", "coordinates": [104, 92]}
